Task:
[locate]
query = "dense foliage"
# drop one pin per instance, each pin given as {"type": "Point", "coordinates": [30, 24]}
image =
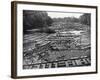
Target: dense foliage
{"type": "Point", "coordinates": [85, 19]}
{"type": "Point", "coordinates": [35, 19]}
{"type": "Point", "coordinates": [66, 19]}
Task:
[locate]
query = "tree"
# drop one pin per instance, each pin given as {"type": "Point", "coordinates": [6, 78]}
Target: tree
{"type": "Point", "coordinates": [85, 19]}
{"type": "Point", "coordinates": [49, 21]}
{"type": "Point", "coordinates": [35, 19]}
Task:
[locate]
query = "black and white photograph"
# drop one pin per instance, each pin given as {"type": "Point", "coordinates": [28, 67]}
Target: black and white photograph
{"type": "Point", "coordinates": [53, 39]}
{"type": "Point", "coordinates": [56, 39]}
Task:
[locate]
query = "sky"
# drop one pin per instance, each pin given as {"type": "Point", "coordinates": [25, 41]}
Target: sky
{"type": "Point", "coordinates": [63, 14]}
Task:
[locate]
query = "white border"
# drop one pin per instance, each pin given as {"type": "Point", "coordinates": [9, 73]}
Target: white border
{"type": "Point", "coordinates": [21, 72]}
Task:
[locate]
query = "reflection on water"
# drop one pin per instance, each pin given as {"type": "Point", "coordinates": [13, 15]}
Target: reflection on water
{"type": "Point", "coordinates": [73, 32]}
{"type": "Point", "coordinates": [76, 32]}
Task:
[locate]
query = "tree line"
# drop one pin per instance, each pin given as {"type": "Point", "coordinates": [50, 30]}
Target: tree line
{"type": "Point", "coordinates": [41, 20]}
{"type": "Point", "coordinates": [83, 19]}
